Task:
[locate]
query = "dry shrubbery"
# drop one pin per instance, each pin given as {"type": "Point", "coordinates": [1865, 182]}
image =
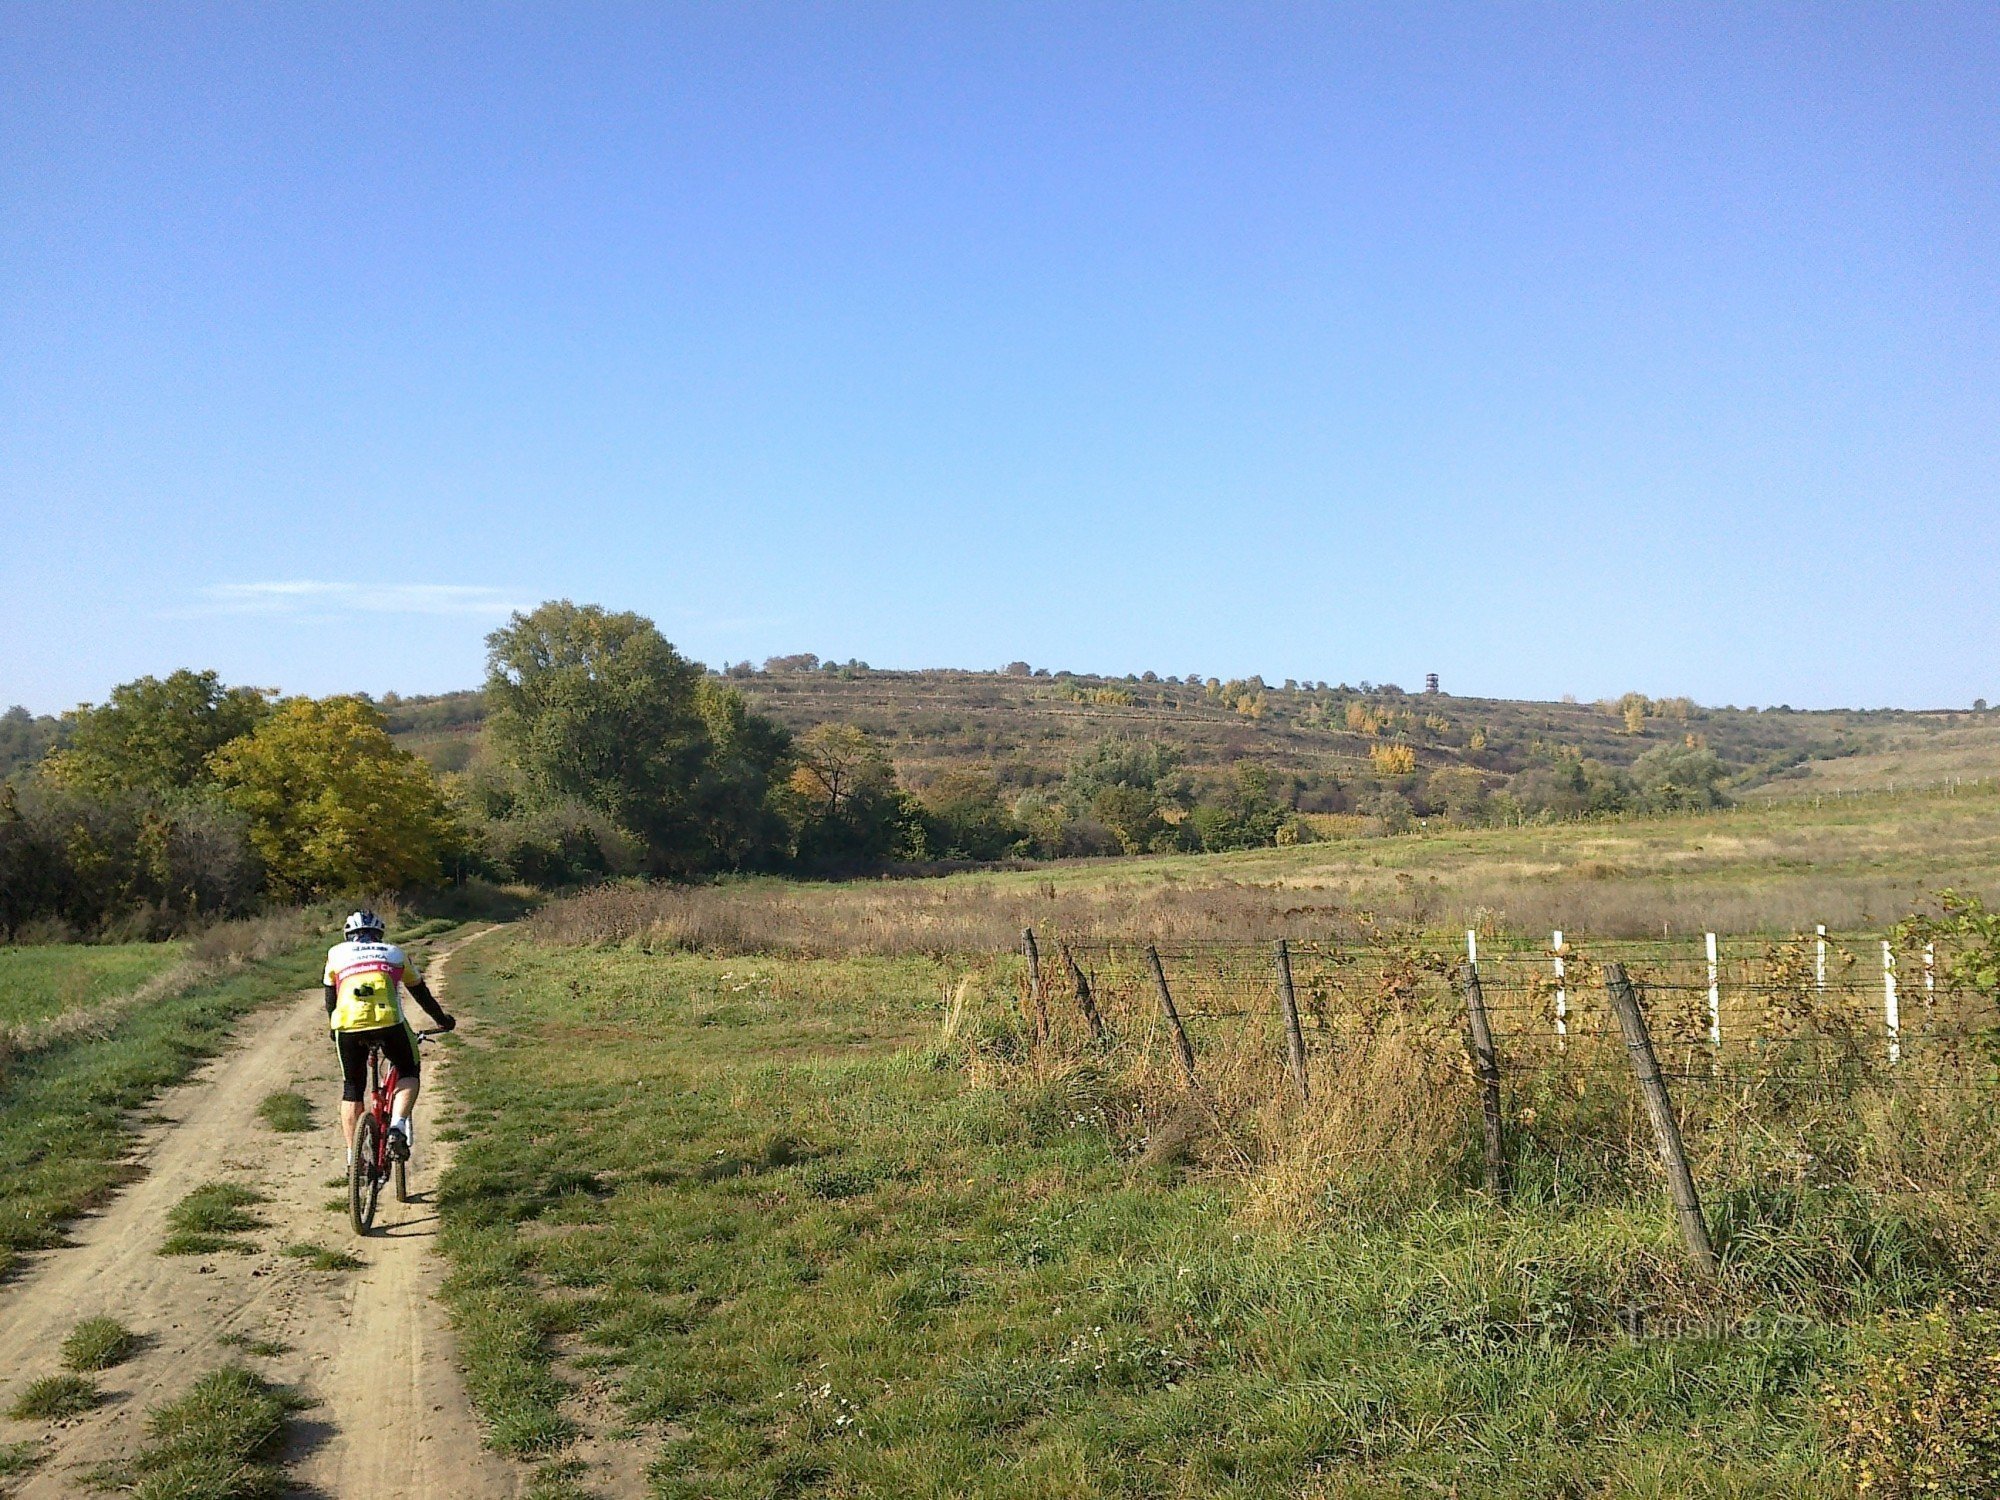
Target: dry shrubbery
{"type": "Point", "coordinates": [916, 917]}
{"type": "Point", "coordinates": [986, 915]}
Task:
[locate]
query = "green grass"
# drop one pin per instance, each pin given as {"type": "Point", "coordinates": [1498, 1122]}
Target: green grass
{"type": "Point", "coordinates": [17, 1459]}
{"type": "Point", "coordinates": [218, 1442]}
{"type": "Point", "coordinates": [99, 1344]}
{"type": "Point", "coordinates": [41, 981]}
{"type": "Point", "coordinates": [250, 1344]}
{"type": "Point", "coordinates": [320, 1258]}
{"type": "Point", "coordinates": [54, 1397]}
{"type": "Point", "coordinates": [66, 1118]}
{"type": "Point", "coordinates": [215, 1216]}
{"type": "Point", "coordinates": [287, 1110]}
{"type": "Point", "coordinates": [826, 1263]}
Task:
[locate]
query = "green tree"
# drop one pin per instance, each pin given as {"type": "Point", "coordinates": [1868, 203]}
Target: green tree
{"type": "Point", "coordinates": [599, 707]}
{"type": "Point", "coordinates": [154, 735]}
{"type": "Point", "coordinates": [1676, 778]}
{"type": "Point", "coordinates": [334, 806]}
{"type": "Point", "coordinates": [966, 817]}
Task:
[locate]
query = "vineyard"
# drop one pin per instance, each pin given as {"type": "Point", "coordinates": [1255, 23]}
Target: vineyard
{"type": "Point", "coordinates": [1353, 1076]}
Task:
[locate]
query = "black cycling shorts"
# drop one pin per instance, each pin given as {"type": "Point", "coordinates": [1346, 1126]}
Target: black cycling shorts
{"type": "Point", "coordinates": [396, 1046]}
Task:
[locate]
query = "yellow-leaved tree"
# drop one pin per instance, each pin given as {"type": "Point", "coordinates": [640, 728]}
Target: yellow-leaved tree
{"type": "Point", "coordinates": [334, 806]}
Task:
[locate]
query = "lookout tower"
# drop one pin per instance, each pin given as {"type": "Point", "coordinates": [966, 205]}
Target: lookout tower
{"type": "Point", "coordinates": [1431, 683]}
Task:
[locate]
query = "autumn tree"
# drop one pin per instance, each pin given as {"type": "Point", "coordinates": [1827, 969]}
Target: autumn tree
{"type": "Point", "coordinates": [334, 806]}
{"type": "Point", "coordinates": [846, 808]}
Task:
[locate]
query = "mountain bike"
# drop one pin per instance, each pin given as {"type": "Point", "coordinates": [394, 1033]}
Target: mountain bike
{"type": "Point", "coordinates": [372, 1164]}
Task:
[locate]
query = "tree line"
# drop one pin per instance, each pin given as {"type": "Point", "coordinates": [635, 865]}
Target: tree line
{"type": "Point", "coordinates": [605, 753]}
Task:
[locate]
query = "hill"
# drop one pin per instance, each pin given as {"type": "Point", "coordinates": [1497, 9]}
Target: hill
{"type": "Point", "coordinates": [1028, 726]}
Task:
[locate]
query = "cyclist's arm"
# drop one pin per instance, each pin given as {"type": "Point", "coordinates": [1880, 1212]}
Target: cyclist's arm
{"type": "Point", "coordinates": [332, 998]}
{"type": "Point", "coordinates": [421, 993]}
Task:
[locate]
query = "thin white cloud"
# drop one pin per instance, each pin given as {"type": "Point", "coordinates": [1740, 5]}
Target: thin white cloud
{"type": "Point", "coordinates": [307, 598]}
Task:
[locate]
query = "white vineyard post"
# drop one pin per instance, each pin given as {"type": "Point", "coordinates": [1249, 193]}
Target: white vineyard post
{"type": "Point", "coordinates": [1930, 975]}
{"type": "Point", "coordinates": [1472, 947]}
{"type": "Point", "coordinates": [1819, 962]}
{"type": "Point", "coordinates": [1562, 989]}
{"type": "Point", "coordinates": [1714, 998]}
{"type": "Point", "coordinates": [1892, 1016]}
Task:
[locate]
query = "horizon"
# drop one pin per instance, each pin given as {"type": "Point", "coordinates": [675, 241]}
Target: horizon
{"type": "Point", "coordinates": [1557, 350]}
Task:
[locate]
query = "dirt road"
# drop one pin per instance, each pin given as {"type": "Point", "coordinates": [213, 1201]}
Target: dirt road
{"type": "Point", "coordinates": [370, 1346]}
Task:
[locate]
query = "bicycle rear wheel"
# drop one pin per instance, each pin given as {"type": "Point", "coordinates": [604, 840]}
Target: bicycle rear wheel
{"type": "Point", "coordinates": [364, 1181]}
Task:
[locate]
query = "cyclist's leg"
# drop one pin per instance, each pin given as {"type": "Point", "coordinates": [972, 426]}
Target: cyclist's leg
{"type": "Point", "coordinates": [399, 1045]}
{"type": "Point", "coordinates": [353, 1049]}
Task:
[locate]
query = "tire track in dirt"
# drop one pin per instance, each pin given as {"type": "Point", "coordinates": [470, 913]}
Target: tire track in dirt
{"type": "Point", "coordinates": [371, 1347]}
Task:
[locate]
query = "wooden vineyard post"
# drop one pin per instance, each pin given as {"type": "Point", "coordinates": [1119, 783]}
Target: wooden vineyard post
{"type": "Point", "coordinates": [1182, 1050]}
{"type": "Point", "coordinates": [1288, 1005]}
{"type": "Point", "coordinates": [1660, 1109]}
{"type": "Point", "coordinates": [1486, 1063]}
{"type": "Point", "coordinates": [1085, 1001]}
{"type": "Point", "coordinates": [1038, 1010]}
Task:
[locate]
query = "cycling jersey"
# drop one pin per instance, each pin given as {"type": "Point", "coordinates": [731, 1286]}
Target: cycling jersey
{"type": "Point", "coordinates": [365, 983]}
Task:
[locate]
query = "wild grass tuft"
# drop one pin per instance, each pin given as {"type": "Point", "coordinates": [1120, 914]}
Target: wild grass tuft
{"type": "Point", "coordinates": [54, 1397]}
{"type": "Point", "coordinates": [99, 1344]}
{"type": "Point", "coordinates": [287, 1110]}
{"type": "Point", "coordinates": [213, 1217]}
{"type": "Point", "coordinates": [320, 1258]}
{"type": "Point", "coordinates": [220, 1441]}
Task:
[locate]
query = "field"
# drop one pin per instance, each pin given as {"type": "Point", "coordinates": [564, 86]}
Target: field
{"type": "Point", "coordinates": [771, 1189]}
{"type": "Point", "coordinates": [1779, 867]}
{"type": "Point", "coordinates": [39, 983]}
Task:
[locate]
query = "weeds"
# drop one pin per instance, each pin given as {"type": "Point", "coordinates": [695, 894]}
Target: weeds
{"type": "Point", "coordinates": [287, 1111]}
{"type": "Point", "coordinates": [320, 1258]}
{"type": "Point", "coordinates": [220, 1441]}
{"type": "Point", "coordinates": [17, 1459]}
{"type": "Point", "coordinates": [213, 1217]}
{"type": "Point", "coordinates": [54, 1397]}
{"type": "Point", "coordinates": [99, 1344]}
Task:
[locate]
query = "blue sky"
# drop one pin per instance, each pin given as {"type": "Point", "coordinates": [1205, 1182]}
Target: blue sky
{"type": "Point", "coordinates": [1550, 348]}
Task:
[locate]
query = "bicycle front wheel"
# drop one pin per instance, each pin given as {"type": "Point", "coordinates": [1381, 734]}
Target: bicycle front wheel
{"type": "Point", "coordinates": [364, 1181]}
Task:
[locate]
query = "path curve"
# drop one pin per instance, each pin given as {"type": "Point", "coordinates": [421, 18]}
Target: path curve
{"type": "Point", "coordinates": [371, 1347]}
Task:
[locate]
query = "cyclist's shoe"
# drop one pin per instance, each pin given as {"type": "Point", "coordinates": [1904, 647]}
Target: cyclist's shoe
{"type": "Point", "coordinates": [399, 1143]}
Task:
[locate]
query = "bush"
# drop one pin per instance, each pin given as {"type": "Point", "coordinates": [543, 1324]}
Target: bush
{"type": "Point", "coordinates": [1920, 1413]}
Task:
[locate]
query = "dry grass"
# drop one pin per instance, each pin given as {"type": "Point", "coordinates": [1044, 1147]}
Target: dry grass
{"type": "Point", "coordinates": [1770, 869]}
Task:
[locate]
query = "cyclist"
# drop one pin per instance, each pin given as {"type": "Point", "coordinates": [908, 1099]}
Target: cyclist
{"type": "Point", "coordinates": [364, 976]}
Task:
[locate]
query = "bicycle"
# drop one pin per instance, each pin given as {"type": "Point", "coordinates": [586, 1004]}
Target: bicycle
{"type": "Point", "coordinates": [373, 1164]}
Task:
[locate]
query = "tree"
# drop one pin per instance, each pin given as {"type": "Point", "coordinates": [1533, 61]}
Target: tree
{"type": "Point", "coordinates": [155, 735]}
{"type": "Point", "coordinates": [844, 802]}
{"type": "Point", "coordinates": [966, 817]}
{"type": "Point", "coordinates": [334, 806]}
{"type": "Point", "coordinates": [1676, 778]}
{"type": "Point", "coordinates": [599, 707]}
{"type": "Point", "coordinates": [735, 801]}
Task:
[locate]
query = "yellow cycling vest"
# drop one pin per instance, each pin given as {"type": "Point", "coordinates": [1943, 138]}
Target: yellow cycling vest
{"type": "Point", "coordinates": [367, 980]}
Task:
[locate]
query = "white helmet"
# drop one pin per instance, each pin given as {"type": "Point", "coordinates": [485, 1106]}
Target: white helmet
{"type": "Point", "coordinates": [363, 922]}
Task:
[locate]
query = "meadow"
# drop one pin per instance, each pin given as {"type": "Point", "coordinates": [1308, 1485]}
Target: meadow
{"type": "Point", "coordinates": [779, 1186]}
{"type": "Point", "coordinates": [1775, 867]}
{"type": "Point", "coordinates": [816, 1235]}
{"type": "Point", "coordinates": [38, 983]}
